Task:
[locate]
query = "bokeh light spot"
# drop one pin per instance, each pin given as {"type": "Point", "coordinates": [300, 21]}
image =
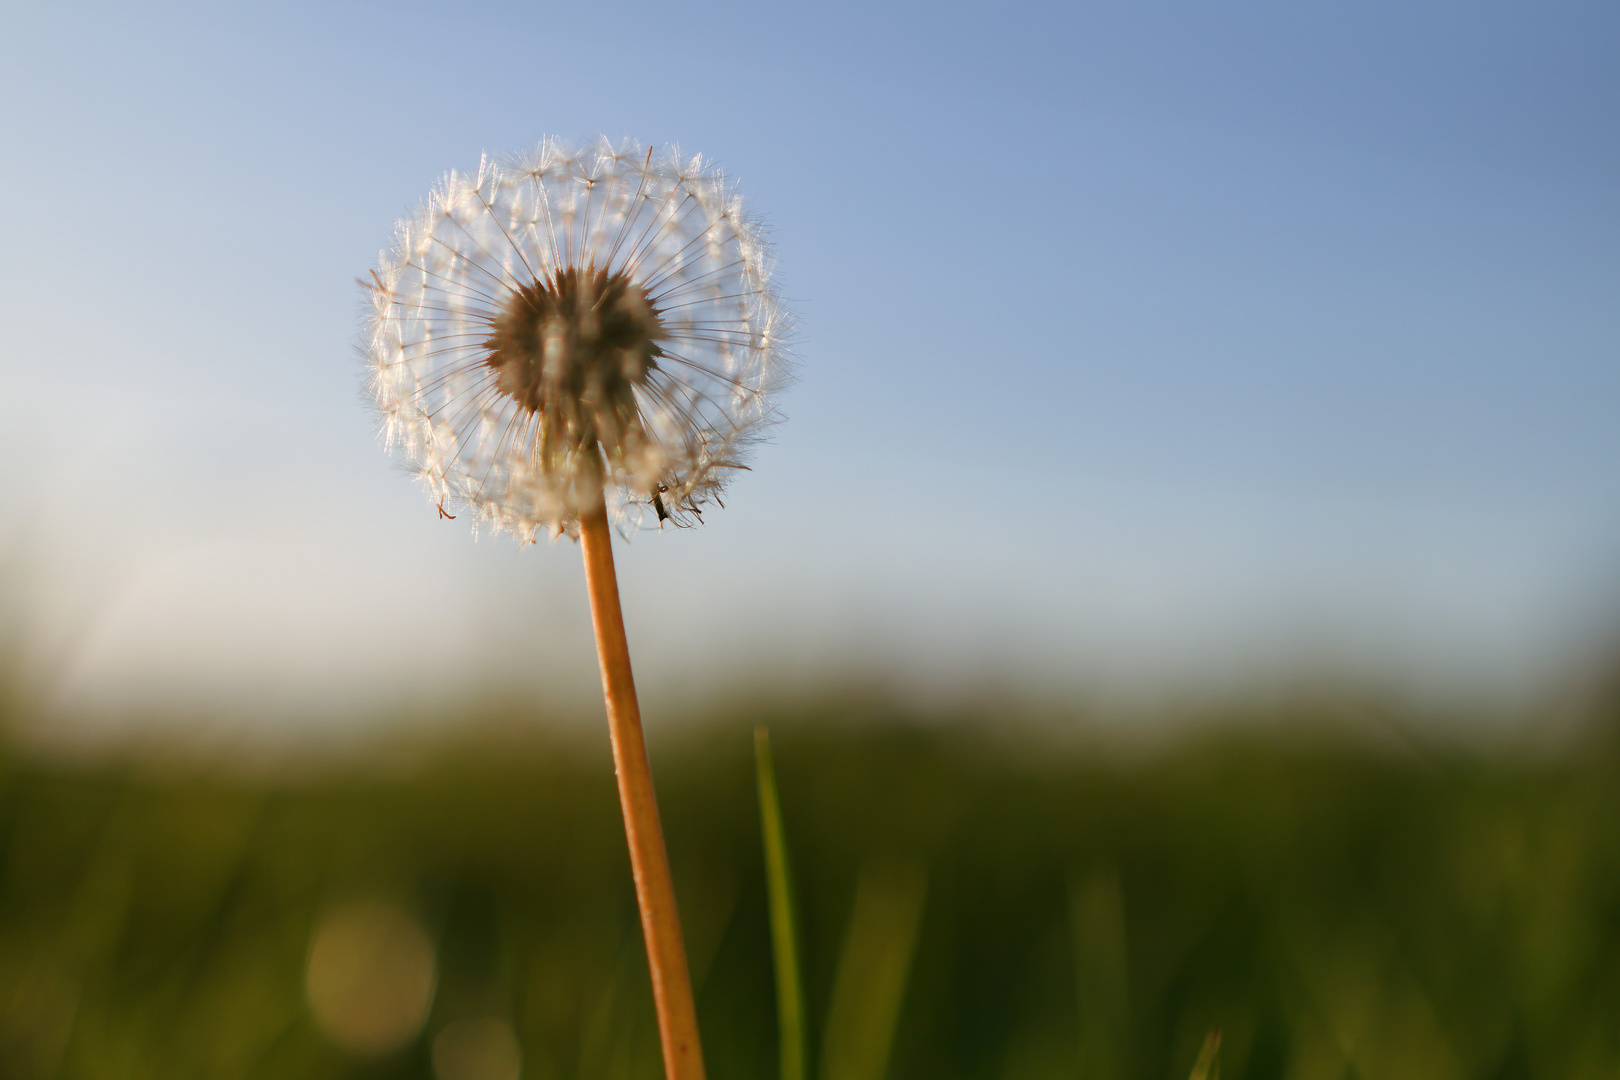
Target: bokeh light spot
{"type": "Point", "coordinates": [477, 1048]}
{"type": "Point", "coordinates": [371, 977]}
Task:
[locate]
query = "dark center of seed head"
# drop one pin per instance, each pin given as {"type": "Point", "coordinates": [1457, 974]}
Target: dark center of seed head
{"type": "Point", "coordinates": [575, 344]}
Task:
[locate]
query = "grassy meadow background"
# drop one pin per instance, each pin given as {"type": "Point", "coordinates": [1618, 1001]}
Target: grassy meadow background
{"type": "Point", "coordinates": [979, 896]}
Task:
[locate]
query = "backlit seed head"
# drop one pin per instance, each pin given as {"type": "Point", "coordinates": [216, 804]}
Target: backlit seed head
{"type": "Point", "coordinates": [571, 326]}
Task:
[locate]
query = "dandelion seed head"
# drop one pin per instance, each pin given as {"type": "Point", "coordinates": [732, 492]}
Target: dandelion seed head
{"type": "Point", "coordinates": [574, 326]}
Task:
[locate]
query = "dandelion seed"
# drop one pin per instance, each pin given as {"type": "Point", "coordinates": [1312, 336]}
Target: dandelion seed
{"type": "Point", "coordinates": [570, 326]}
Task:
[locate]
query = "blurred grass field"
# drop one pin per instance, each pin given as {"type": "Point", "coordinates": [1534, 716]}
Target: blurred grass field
{"type": "Point", "coordinates": [972, 903]}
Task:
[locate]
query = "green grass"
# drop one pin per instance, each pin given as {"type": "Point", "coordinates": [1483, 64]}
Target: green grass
{"type": "Point", "coordinates": [963, 910]}
{"type": "Point", "coordinates": [790, 1026]}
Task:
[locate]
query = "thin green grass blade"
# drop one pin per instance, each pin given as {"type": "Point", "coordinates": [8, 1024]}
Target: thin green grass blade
{"type": "Point", "coordinates": [873, 968]}
{"type": "Point", "coordinates": [779, 889]}
{"type": "Point", "coordinates": [1097, 919]}
{"type": "Point", "coordinates": [1208, 1065]}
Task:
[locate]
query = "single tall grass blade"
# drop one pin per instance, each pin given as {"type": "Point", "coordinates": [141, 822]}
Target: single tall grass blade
{"type": "Point", "coordinates": [873, 968]}
{"type": "Point", "coordinates": [784, 939]}
{"type": "Point", "coordinates": [1097, 919]}
{"type": "Point", "coordinates": [1208, 1065]}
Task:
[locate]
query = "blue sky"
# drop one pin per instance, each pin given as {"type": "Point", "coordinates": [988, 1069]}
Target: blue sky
{"type": "Point", "coordinates": [1144, 345]}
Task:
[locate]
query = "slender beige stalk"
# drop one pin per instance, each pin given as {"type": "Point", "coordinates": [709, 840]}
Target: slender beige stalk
{"type": "Point", "coordinates": [649, 862]}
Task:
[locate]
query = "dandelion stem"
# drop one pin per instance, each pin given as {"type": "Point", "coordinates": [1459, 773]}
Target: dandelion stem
{"type": "Point", "coordinates": [649, 862]}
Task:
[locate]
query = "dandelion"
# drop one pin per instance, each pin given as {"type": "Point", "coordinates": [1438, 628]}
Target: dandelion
{"type": "Point", "coordinates": [572, 337]}
{"type": "Point", "coordinates": [570, 325]}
